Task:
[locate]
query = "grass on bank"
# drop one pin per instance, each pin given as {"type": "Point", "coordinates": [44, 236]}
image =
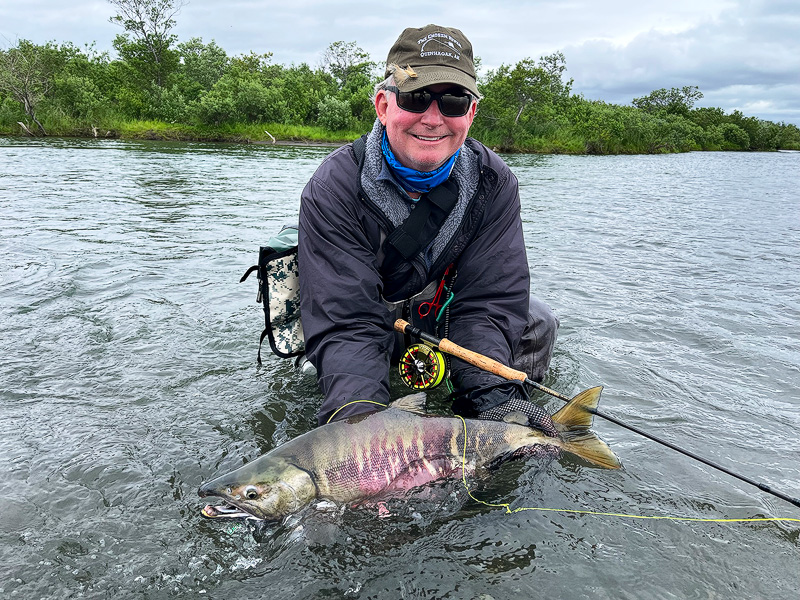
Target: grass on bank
{"type": "Point", "coordinates": [563, 141]}
{"type": "Point", "coordinates": [242, 132]}
{"type": "Point", "coordinates": [160, 130]}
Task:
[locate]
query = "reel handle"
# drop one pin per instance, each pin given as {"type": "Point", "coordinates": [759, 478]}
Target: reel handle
{"type": "Point", "coordinates": [473, 358]}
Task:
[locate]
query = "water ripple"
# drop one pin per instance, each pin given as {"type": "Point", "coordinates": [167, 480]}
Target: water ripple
{"type": "Point", "coordinates": [129, 377]}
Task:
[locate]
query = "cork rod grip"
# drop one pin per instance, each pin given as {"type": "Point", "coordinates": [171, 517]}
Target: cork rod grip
{"type": "Point", "coordinates": [481, 361]}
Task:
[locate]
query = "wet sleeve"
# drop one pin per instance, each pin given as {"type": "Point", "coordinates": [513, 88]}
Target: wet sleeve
{"type": "Point", "coordinates": [490, 310]}
{"type": "Point", "coordinates": [346, 326]}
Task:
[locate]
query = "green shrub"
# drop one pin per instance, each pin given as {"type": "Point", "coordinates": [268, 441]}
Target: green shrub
{"type": "Point", "coordinates": [735, 137]}
{"type": "Point", "coordinates": [334, 114]}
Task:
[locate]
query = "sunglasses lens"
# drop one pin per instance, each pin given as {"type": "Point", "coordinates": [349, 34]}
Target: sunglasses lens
{"type": "Point", "coordinates": [454, 106]}
{"type": "Point", "coordinates": [414, 101]}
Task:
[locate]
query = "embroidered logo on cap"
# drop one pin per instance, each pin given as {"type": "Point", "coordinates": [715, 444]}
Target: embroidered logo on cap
{"type": "Point", "coordinates": [439, 44]}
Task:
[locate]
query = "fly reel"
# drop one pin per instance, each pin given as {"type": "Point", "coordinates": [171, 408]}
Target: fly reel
{"type": "Point", "coordinates": [422, 367]}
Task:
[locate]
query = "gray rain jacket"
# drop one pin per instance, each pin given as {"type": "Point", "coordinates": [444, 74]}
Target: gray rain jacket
{"type": "Point", "coordinates": [345, 215]}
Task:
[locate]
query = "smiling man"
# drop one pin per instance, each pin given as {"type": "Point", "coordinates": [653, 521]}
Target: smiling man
{"type": "Point", "coordinates": [418, 221]}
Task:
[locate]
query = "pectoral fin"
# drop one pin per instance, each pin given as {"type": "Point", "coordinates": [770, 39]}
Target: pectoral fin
{"type": "Point", "coordinates": [413, 403]}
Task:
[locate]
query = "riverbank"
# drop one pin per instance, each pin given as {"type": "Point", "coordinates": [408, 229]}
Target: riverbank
{"type": "Point", "coordinates": [563, 140]}
{"type": "Point", "coordinates": [258, 133]}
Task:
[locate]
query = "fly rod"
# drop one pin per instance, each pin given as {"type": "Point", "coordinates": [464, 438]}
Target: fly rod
{"type": "Point", "coordinates": [493, 366]}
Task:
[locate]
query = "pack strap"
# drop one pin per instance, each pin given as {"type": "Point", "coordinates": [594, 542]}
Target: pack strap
{"type": "Point", "coordinates": [247, 273]}
{"type": "Point", "coordinates": [422, 225]}
{"type": "Point", "coordinates": [359, 148]}
{"type": "Point", "coordinates": [264, 334]}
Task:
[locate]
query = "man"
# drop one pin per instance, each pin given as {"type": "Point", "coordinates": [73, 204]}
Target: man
{"type": "Point", "coordinates": [418, 212]}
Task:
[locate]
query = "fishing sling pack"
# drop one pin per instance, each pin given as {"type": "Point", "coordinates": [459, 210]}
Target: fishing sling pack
{"type": "Point", "coordinates": [279, 292]}
{"type": "Point", "coordinates": [278, 275]}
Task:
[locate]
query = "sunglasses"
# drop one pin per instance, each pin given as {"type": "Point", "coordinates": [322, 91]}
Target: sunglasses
{"type": "Point", "coordinates": [451, 103]}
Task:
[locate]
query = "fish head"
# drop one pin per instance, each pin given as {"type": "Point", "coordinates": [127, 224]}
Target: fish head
{"type": "Point", "coordinates": [266, 489]}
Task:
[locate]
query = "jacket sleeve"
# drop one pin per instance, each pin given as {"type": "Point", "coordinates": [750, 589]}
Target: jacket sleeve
{"type": "Point", "coordinates": [347, 329]}
{"type": "Point", "coordinates": [492, 294]}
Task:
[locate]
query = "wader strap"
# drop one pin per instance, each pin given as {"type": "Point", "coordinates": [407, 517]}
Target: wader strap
{"type": "Point", "coordinates": [422, 225]}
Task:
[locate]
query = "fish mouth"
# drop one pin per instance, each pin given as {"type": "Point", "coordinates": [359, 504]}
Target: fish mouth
{"type": "Point", "coordinates": [226, 511]}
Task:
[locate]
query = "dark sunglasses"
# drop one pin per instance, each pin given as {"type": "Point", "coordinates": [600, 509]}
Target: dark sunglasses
{"type": "Point", "coordinates": [451, 103]}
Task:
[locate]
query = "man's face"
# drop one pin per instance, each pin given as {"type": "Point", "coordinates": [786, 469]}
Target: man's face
{"type": "Point", "coordinates": [422, 141]}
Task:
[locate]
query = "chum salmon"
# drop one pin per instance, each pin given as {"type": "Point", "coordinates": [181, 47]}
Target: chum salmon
{"type": "Point", "coordinates": [391, 451]}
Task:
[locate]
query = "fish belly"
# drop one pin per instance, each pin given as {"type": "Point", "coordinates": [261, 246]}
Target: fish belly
{"type": "Point", "coordinates": [423, 472]}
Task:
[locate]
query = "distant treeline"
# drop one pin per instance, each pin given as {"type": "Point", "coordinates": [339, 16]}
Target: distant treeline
{"type": "Point", "coordinates": [160, 88]}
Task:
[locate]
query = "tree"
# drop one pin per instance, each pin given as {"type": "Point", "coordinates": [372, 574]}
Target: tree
{"type": "Point", "coordinates": [26, 74]}
{"type": "Point", "coordinates": [554, 66]}
{"type": "Point", "coordinates": [348, 64]}
{"type": "Point", "coordinates": [524, 85]}
{"type": "Point", "coordinates": [150, 23]}
{"type": "Point", "coordinates": [242, 94]}
{"type": "Point", "coordinates": [82, 86]}
{"type": "Point", "coordinates": [202, 65]}
{"type": "Point", "coordinates": [334, 114]}
{"type": "Point", "coordinates": [673, 101]}
{"type": "Point", "coordinates": [517, 100]}
{"type": "Point", "coordinates": [707, 116]}
{"type": "Point", "coordinates": [735, 137]}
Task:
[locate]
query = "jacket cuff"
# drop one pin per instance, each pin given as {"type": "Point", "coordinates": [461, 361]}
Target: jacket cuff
{"type": "Point", "coordinates": [484, 391]}
{"type": "Point", "coordinates": [347, 394]}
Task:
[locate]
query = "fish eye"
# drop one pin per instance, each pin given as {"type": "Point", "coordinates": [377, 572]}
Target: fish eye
{"type": "Point", "coordinates": [251, 492]}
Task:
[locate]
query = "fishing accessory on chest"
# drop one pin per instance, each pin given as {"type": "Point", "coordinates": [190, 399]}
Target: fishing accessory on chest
{"type": "Point", "coordinates": [424, 309]}
{"type": "Point", "coordinates": [422, 367]}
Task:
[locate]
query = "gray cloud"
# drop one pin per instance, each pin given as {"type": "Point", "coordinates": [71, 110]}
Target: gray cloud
{"type": "Point", "coordinates": [747, 59]}
{"type": "Point", "coordinates": [743, 54]}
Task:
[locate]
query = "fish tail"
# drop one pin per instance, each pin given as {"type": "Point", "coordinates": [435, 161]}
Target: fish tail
{"type": "Point", "coordinates": [574, 421]}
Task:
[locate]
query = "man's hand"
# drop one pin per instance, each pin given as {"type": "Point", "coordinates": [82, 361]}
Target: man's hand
{"type": "Point", "coordinates": [537, 416]}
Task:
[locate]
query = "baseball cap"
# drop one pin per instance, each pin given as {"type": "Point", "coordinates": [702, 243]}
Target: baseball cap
{"type": "Point", "coordinates": [424, 56]}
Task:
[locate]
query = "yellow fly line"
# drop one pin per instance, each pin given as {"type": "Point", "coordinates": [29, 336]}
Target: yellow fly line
{"type": "Point", "coordinates": [510, 511]}
{"type": "Point", "coordinates": [353, 402]}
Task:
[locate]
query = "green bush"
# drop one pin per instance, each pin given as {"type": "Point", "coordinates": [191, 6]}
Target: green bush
{"type": "Point", "coordinates": [169, 104]}
{"type": "Point", "coordinates": [713, 138]}
{"type": "Point", "coordinates": [334, 114]}
{"type": "Point", "coordinates": [10, 112]}
{"type": "Point", "coordinates": [79, 98]}
{"type": "Point", "coordinates": [735, 138]}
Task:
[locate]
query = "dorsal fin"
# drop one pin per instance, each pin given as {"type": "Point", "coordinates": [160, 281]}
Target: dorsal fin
{"type": "Point", "coordinates": [414, 403]}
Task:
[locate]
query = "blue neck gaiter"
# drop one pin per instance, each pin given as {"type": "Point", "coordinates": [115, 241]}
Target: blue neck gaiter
{"type": "Point", "coordinates": [411, 179]}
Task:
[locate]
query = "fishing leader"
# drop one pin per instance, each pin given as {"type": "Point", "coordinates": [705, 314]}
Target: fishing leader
{"type": "Point", "coordinates": [412, 215]}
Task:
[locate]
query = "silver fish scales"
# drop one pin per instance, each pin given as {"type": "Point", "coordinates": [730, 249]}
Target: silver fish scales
{"type": "Point", "coordinates": [390, 451]}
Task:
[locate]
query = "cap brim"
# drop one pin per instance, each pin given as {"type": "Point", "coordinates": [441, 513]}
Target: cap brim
{"type": "Point", "coordinates": [434, 75]}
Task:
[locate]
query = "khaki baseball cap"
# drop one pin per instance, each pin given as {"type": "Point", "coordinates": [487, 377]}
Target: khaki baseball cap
{"type": "Point", "coordinates": [424, 56]}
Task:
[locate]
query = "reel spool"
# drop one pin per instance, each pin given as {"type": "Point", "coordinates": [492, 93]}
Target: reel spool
{"type": "Point", "coordinates": [422, 367]}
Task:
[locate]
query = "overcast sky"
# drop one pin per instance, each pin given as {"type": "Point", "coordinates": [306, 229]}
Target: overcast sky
{"type": "Point", "coordinates": [743, 54]}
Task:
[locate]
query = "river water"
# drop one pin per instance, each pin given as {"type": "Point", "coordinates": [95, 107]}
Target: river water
{"type": "Point", "coordinates": [128, 377]}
